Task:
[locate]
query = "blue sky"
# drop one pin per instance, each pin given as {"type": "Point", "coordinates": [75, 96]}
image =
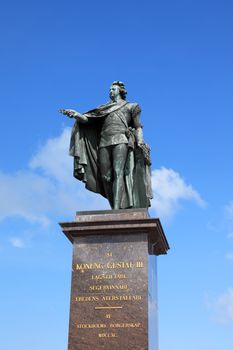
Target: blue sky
{"type": "Point", "coordinates": [175, 58]}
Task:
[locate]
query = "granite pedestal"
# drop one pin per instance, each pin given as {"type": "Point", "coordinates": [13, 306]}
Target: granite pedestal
{"type": "Point", "coordinates": [111, 292]}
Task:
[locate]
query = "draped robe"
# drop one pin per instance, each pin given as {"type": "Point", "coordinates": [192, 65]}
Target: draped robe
{"type": "Point", "coordinates": [84, 146]}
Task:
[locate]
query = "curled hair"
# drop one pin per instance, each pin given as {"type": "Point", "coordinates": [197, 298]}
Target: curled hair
{"type": "Point", "coordinates": [122, 90]}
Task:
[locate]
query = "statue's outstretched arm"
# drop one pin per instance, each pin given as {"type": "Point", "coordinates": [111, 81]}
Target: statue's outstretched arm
{"type": "Point", "coordinates": [71, 113]}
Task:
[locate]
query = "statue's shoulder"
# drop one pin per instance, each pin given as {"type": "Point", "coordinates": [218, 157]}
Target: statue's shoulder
{"type": "Point", "coordinates": [134, 108]}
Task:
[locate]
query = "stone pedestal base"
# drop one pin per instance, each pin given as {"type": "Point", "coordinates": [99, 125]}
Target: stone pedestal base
{"type": "Point", "coordinates": [109, 293]}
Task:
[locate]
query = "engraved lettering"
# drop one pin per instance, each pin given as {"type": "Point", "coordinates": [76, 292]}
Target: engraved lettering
{"type": "Point", "coordinates": [122, 298]}
{"type": "Point", "coordinates": [101, 277]}
{"type": "Point", "coordinates": [86, 298]}
{"type": "Point", "coordinates": [109, 287]}
{"type": "Point", "coordinates": [120, 276]}
{"type": "Point", "coordinates": [92, 266]}
{"type": "Point", "coordinates": [120, 265]}
{"type": "Point", "coordinates": [109, 265]}
{"type": "Point", "coordinates": [107, 335]}
{"type": "Point", "coordinates": [125, 325]}
{"type": "Point", "coordinates": [139, 264]}
{"type": "Point", "coordinates": [91, 325]}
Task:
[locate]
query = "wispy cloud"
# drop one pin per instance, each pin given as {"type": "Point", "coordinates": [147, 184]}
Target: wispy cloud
{"type": "Point", "coordinates": [24, 195]}
{"type": "Point", "coordinates": [169, 190]}
{"type": "Point", "coordinates": [17, 242]}
{"type": "Point", "coordinates": [229, 256]}
{"type": "Point", "coordinates": [229, 210]}
{"type": "Point", "coordinates": [223, 307]}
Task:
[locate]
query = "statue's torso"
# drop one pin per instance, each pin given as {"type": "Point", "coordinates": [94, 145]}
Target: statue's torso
{"type": "Point", "coordinates": [115, 125]}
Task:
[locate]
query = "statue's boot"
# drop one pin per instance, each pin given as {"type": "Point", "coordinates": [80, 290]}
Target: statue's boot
{"type": "Point", "coordinates": [116, 205]}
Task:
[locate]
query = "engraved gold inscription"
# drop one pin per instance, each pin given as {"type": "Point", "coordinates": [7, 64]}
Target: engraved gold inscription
{"type": "Point", "coordinates": [92, 266]}
{"type": "Point", "coordinates": [125, 325]}
{"type": "Point", "coordinates": [91, 325]}
{"type": "Point", "coordinates": [107, 335]}
{"type": "Point", "coordinates": [109, 287]}
{"type": "Point", "coordinates": [101, 277]}
{"type": "Point", "coordinates": [107, 290]}
{"type": "Point", "coordinates": [122, 298]}
{"type": "Point", "coordinates": [109, 265]}
{"type": "Point", "coordinates": [82, 299]}
{"type": "Point", "coordinates": [118, 276]}
{"type": "Point", "coordinates": [87, 298]}
{"type": "Point", "coordinates": [111, 325]}
{"type": "Point", "coordinates": [120, 265]}
{"type": "Point", "coordinates": [139, 264]}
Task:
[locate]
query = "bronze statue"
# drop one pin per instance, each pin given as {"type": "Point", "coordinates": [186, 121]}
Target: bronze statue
{"type": "Point", "coordinates": [109, 152]}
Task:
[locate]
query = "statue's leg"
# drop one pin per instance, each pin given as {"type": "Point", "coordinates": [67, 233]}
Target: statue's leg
{"type": "Point", "coordinates": [119, 155]}
{"type": "Point", "coordinates": [105, 165]}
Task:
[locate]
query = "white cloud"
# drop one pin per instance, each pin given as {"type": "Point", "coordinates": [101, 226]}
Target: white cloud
{"type": "Point", "coordinates": [17, 242]}
{"type": "Point", "coordinates": [229, 210]}
{"type": "Point", "coordinates": [223, 307]}
{"type": "Point", "coordinates": [169, 189]}
{"type": "Point", "coordinates": [47, 188]}
{"type": "Point", "coordinates": [229, 256]}
{"type": "Point", "coordinates": [53, 159]}
{"type": "Point", "coordinates": [24, 195]}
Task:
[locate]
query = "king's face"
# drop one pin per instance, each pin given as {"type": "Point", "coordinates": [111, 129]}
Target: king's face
{"type": "Point", "coordinates": [114, 91]}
